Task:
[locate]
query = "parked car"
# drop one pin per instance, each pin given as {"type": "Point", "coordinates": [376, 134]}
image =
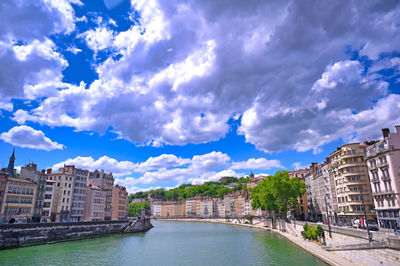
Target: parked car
{"type": "Point", "coordinates": [356, 223]}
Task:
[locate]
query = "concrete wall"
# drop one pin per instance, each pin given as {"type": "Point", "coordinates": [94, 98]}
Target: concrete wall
{"type": "Point", "coordinates": [18, 235]}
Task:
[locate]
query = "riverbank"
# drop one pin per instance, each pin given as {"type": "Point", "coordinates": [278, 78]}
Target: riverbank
{"type": "Point", "coordinates": [310, 247]}
{"type": "Point", "coordinates": [23, 235]}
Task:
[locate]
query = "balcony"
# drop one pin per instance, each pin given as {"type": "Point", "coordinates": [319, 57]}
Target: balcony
{"type": "Point", "coordinates": [382, 193]}
{"type": "Point", "coordinates": [386, 178]}
{"type": "Point", "coordinates": [375, 180]}
{"type": "Point", "coordinates": [382, 163]}
{"type": "Point", "coordinates": [372, 167]}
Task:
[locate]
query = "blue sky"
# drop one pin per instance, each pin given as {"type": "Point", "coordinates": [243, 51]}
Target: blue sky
{"type": "Point", "coordinates": [168, 92]}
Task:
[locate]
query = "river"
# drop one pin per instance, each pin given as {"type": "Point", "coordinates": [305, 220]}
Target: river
{"type": "Point", "coordinates": [170, 243]}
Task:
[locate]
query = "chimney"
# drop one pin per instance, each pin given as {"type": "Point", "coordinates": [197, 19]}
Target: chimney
{"type": "Point", "coordinates": [49, 171]}
{"type": "Point", "coordinates": [43, 171]}
{"type": "Point", "coordinates": [385, 132]}
{"type": "Point", "coordinates": [397, 128]}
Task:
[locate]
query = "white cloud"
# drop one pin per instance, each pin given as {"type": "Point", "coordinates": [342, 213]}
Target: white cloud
{"type": "Point", "coordinates": [118, 168]}
{"type": "Point", "coordinates": [298, 165]}
{"type": "Point", "coordinates": [260, 163]}
{"type": "Point", "coordinates": [188, 68]}
{"type": "Point", "coordinates": [27, 137]}
{"type": "Point", "coordinates": [168, 169]}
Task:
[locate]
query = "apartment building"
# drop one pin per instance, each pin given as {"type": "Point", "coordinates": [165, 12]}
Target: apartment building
{"type": "Point", "coordinates": [31, 173]}
{"type": "Point", "coordinates": [48, 201]}
{"type": "Point", "coordinates": [168, 209]}
{"type": "Point", "coordinates": [3, 183]}
{"type": "Point", "coordinates": [19, 200]}
{"type": "Point", "coordinates": [95, 202]}
{"type": "Point", "coordinates": [220, 208]}
{"type": "Point", "coordinates": [155, 207]}
{"type": "Point", "coordinates": [311, 180]}
{"type": "Point", "coordinates": [191, 207]}
{"type": "Point", "coordinates": [301, 210]}
{"type": "Point", "coordinates": [78, 192]}
{"type": "Point", "coordinates": [207, 207]}
{"type": "Point", "coordinates": [383, 160]}
{"type": "Point", "coordinates": [106, 182]}
{"type": "Point", "coordinates": [62, 194]}
{"type": "Point", "coordinates": [240, 198]}
{"type": "Point", "coordinates": [351, 180]}
{"type": "Point", "coordinates": [229, 202]}
{"type": "Point", "coordinates": [120, 203]}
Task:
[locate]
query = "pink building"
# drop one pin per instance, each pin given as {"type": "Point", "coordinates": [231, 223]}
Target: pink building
{"type": "Point", "coordinates": [383, 160]}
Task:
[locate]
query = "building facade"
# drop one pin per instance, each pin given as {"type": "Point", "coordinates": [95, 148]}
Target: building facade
{"type": "Point", "coordinates": [3, 184]}
{"type": "Point", "coordinates": [351, 181]}
{"type": "Point", "coordinates": [78, 192]}
{"type": "Point", "coordinates": [19, 200]}
{"type": "Point", "coordinates": [155, 207]}
{"type": "Point", "coordinates": [383, 160]}
{"type": "Point", "coordinates": [106, 182]}
{"type": "Point", "coordinates": [95, 202]}
{"type": "Point", "coordinates": [120, 203]}
{"type": "Point", "coordinates": [62, 194]}
{"type": "Point", "coordinates": [31, 173]}
{"type": "Point", "coordinates": [48, 201]}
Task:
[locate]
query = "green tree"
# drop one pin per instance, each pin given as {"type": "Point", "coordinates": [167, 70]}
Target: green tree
{"type": "Point", "coordinates": [277, 194]}
{"type": "Point", "coordinates": [135, 208]}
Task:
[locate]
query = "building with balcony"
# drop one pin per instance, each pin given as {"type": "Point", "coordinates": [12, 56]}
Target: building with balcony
{"type": "Point", "coordinates": [383, 160]}
{"type": "Point", "coordinates": [351, 181]}
{"type": "Point", "coordinates": [120, 203]}
{"type": "Point", "coordinates": [19, 200]}
{"type": "Point", "coordinates": [48, 201]}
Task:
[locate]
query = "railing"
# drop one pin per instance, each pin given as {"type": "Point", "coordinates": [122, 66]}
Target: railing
{"type": "Point", "coordinates": [382, 164]}
{"type": "Point", "coordinates": [382, 193]}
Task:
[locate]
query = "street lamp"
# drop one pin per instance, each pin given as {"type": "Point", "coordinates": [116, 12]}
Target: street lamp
{"type": "Point", "coordinates": [327, 217]}
{"type": "Point", "coordinates": [365, 216]}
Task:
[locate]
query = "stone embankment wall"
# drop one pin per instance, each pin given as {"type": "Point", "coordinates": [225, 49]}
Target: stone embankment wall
{"type": "Point", "coordinates": [359, 238]}
{"type": "Point", "coordinates": [18, 235]}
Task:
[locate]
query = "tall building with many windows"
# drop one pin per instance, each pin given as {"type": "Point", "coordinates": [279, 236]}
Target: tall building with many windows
{"type": "Point", "coordinates": [383, 160]}
{"type": "Point", "coordinates": [62, 195]}
{"type": "Point", "coordinates": [120, 203]}
{"type": "Point", "coordinates": [19, 199]}
{"type": "Point", "coordinates": [106, 182]}
{"type": "Point", "coordinates": [31, 173]}
{"type": "Point", "coordinates": [78, 192]}
{"type": "Point", "coordinates": [351, 180]}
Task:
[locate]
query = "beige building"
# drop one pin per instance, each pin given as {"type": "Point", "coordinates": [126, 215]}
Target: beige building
{"type": "Point", "coordinates": [120, 203]}
{"type": "Point", "coordinates": [19, 199]}
{"type": "Point", "coordinates": [62, 195]}
{"type": "Point", "coordinates": [168, 209]}
{"type": "Point", "coordinates": [301, 210]}
{"type": "Point", "coordinates": [106, 182]}
{"type": "Point", "coordinates": [351, 176]}
{"type": "Point", "coordinates": [95, 202]}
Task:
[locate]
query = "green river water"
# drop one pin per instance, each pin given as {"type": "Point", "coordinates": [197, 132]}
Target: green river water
{"type": "Point", "coordinates": [170, 243]}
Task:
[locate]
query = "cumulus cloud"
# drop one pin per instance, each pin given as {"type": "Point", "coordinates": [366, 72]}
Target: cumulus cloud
{"type": "Point", "coordinates": [30, 66]}
{"type": "Point", "coordinates": [118, 168]}
{"type": "Point", "coordinates": [169, 169]}
{"type": "Point", "coordinates": [260, 163]}
{"type": "Point", "coordinates": [27, 137]}
{"type": "Point", "coordinates": [187, 68]}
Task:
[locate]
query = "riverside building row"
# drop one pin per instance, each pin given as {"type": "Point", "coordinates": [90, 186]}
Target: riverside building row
{"type": "Point", "coordinates": [355, 177]}
{"type": "Point", "coordinates": [67, 195]}
{"type": "Point", "coordinates": [234, 204]}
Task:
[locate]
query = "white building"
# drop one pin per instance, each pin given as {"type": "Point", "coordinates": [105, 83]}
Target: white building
{"type": "Point", "coordinates": [155, 208]}
{"type": "Point", "coordinates": [207, 208]}
{"type": "Point", "coordinates": [383, 160]}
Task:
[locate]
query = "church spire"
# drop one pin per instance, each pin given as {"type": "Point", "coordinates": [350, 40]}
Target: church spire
{"type": "Point", "coordinates": [10, 168]}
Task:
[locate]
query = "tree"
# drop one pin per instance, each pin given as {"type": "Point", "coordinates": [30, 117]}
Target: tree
{"type": "Point", "coordinates": [135, 208]}
{"type": "Point", "coordinates": [277, 194]}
